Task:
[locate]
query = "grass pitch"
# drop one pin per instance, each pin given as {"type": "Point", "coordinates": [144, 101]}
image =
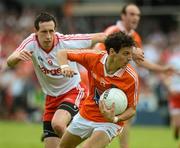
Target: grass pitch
{"type": "Point", "coordinates": [26, 135]}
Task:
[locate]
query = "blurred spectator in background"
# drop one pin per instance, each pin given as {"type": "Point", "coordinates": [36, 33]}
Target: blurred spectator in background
{"type": "Point", "coordinates": [18, 89]}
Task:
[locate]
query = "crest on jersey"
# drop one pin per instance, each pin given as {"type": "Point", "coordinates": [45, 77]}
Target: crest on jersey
{"type": "Point", "coordinates": [50, 62]}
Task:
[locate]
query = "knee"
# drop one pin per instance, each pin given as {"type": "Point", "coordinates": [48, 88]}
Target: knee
{"type": "Point", "coordinates": [87, 145]}
{"type": "Point", "coordinates": [62, 145]}
{"type": "Point", "coordinates": [58, 128]}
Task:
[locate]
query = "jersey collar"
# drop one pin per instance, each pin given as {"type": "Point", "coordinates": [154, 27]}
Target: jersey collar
{"type": "Point", "coordinates": [118, 73]}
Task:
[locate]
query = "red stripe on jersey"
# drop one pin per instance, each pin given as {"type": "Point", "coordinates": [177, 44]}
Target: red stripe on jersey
{"type": "Point", "coordinates": [24, 43]}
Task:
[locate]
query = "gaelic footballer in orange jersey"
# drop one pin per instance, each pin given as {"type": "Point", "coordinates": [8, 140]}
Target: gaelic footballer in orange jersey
{"type": "Point", "coordinates": [130, 16]}
{"type": "Point", "coordinates": [119, 27]}
{"type": "Point", "coordinates": [99, 80]}
{"type": "Point", "coordinates": [105, 70]}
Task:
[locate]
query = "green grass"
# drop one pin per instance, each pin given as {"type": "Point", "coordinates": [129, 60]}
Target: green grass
{"type": "Point", "coordinates": [26, 135]}
{"type": "Point", "coordinates": [20, 135]}
{"type": "Point", "coordinates": [149, 137]}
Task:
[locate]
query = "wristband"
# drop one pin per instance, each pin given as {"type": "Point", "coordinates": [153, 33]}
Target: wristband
{"type": "Point", "coordinates": [64, 66]}
{"type": "Point", "coordinates": [115, 120]}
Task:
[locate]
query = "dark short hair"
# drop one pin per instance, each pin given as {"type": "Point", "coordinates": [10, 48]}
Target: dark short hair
{"type": "Point", "coordinates": [44, 17]}
{"type": "Point", "coordinates": [123, 11]}
{"type": "Point", "coordinates": [118, 40]}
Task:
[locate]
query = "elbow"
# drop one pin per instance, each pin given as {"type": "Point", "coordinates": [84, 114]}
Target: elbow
{"type": "Point", "coordinates": [133, 111]}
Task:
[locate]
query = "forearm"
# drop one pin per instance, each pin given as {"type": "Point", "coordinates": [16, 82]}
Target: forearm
{"type": "Point", "coordinates": [12, 60]}
{"type": "Point", "coordinates": [130, 112]}
{"type": "Point", "coordinates": [150, 66]}
{"type": "Point", "coordinates": [98, 38]}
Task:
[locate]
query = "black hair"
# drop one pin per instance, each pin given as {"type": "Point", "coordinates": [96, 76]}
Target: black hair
{"type": "Point", "coordinates": [44, 17]}
{"type": "Point", "coordinates": [118, 40]}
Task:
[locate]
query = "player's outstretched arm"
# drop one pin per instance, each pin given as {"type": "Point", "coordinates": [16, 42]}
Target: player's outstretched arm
{"type": "Point", "coordinates": [98, 38]}
{"type": "Point", "coordinates": [138, 57]}
{"type": "Point", "coordinates": [17, 56]}
{"type": "Point", "coordinates": [154, 67]}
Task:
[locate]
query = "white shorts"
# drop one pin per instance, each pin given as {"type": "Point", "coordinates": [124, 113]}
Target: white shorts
{"type": "Point", "coordinates": [84, 128]}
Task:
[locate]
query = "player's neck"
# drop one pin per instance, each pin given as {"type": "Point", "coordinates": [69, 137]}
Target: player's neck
{"type": "Point", "coordinates": [111, 66]}
{"type": "Point", "coordinates": [127, 30]}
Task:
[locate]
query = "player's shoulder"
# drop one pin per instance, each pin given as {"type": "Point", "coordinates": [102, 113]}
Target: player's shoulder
{"type": "Point", "coordinates": [30, 39]}
{"type": "Point", "coordinates": [32, 36]}
{"type": "Point", "coordinates": [112, 29]}
{"type": "Point", "coordinates": [137, 38]}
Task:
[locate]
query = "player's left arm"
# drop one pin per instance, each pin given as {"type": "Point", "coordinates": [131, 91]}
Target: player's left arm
{"type": "Point", "coordinates": [129, 113]}
{"type": "Point", "coordinates": [109, 113]}
{"type": "Point", "coordinates": [98, 38]}
{"type": "Point", "coordinates": [132, 95]}
{"type": "Point", "coordinates": [138, 57]}
{"type": "Point", "coordinates": [154, 67]}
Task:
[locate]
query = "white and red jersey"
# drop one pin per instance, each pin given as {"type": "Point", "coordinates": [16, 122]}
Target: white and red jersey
{"type": "Point", "coordinates": [46, 66]}
{"type": "Point", "coordinates": [174, 85]}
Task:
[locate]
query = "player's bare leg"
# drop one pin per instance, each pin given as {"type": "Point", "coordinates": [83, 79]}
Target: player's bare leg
{"type": "Point", "coordinates": [99, 139]}
{"type": "Point", "coordinates": [60, 121]}
{"type": "Point", "coordinates": [124, 137]}
{"type": "Point", "coordinates": [51, 142]}
{"type": "Point", "coordinates": [69, 140]}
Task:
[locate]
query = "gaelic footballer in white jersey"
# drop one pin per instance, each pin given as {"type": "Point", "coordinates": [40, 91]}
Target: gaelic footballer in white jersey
{"type": "Point", "coordinates": [46, 67]}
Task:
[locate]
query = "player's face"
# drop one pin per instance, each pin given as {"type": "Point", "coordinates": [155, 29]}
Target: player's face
{"type": "Point", "coordinates": [123, 57]}
{"type": "Point", "coordinates": [45, 34]}
{"type": "Point", "coordinates": [132, 17]}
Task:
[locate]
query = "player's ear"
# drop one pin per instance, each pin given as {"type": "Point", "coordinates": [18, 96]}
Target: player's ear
{"type": "Point", "coordinates": [111, 51]}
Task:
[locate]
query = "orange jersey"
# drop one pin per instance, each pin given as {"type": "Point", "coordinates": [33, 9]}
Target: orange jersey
{"type": "Point", "coordinates": [116, 28]}
{"type": "Point", "coordinates": [125, 79]}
